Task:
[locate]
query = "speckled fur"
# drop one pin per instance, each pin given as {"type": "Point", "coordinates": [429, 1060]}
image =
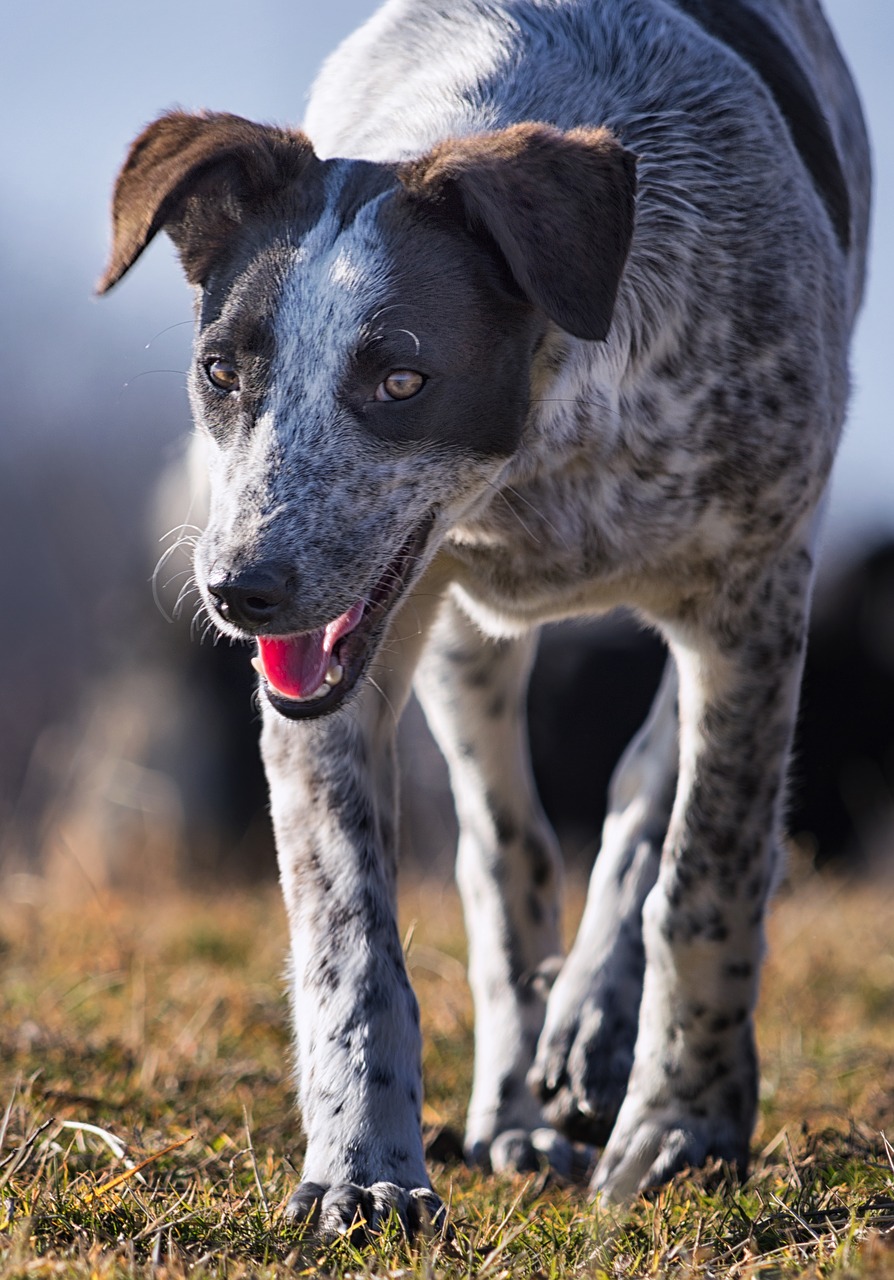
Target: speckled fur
{"type": "Point", "coordinates": [677, 468]}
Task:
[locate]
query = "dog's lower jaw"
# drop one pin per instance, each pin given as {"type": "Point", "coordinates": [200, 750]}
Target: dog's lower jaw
{"type": "Point", "coordinates": [354, 652]}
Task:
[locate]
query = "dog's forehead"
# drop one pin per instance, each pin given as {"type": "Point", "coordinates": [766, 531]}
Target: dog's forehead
{"type": "Point", "coordinates": [389, 261]}
{"type": "Point", "coordinates": [313, 284]}
{"type": "Point", "coordinates": [339, 269]}
{"type": "Point", "coordinates": [333, 282]}
{"type": "Point", "coordinates": [359, 271]}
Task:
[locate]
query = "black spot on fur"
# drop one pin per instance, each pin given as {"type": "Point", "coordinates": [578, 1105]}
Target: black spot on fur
{"type": "Point", "coordinates": [327, 976]}
{"type": "Point", "coordinates": [538, 856]}
{"type": "Point", "coordinates": [496, 707]}
{"type": "Point", "coordinates": [504, 825]}
{"type": "Point", "coordinates": [508, 1089]}
{"type": "Point", "coordinates": [707, 1051]}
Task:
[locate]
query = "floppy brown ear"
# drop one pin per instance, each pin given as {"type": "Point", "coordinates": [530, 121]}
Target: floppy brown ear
{"type": "Point", "coordinates": [193, 175]}
{"type": "Point", "coordinates": [559, 206]}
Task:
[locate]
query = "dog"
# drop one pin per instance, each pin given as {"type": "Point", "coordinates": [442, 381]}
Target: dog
{"type": "Point", "coordinates": [550, 316]}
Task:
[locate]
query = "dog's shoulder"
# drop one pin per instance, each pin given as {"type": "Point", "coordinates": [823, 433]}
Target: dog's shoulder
{"type": "Point", "coordinates": [404, 80]}
{"type": "Point", "coordinates": [762, 47]}
{"type": "Point", "coordinates": [419, 71]}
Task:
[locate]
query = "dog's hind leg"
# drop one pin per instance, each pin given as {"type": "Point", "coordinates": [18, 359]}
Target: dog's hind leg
{"type": "Point", "coordinates": [509, 873]}
{"type": "Point", "coordinates": [586, 1049]}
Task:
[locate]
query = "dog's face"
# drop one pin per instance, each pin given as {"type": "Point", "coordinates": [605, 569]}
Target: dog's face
{"type": "Point", "coordinates": [362, 360]}
{"type": "Point", "coordinates": [361, 384]}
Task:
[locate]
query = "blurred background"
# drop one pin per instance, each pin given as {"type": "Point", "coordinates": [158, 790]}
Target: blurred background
{"type": "Point", "coordinates": [128, 750]}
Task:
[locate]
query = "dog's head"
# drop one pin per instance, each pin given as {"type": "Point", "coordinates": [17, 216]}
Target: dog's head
{"type": "Point", "coordinates": [363, 352]}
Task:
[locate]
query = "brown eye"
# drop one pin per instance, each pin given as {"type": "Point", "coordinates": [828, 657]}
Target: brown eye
{"type": "Point", "coordinates": [222, 374]}
{"type": "Point", "coordinates": [401, 384]}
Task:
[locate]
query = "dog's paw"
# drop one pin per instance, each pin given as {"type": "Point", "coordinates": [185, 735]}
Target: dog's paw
{"type": "Point", "coordinates": [532, 1151]}
{"type": "Point", "coordinates": [653, 1145]}
{"type": "Point", "coordinates": [581, 1069]}
{"type": "Point", "coordinates": [348, 1209]}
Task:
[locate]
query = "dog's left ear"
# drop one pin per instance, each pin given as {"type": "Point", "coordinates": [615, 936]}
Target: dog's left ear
{"type": "Point", "coordinates": [559, 207]}
{"type": "Point", "coordinates": [197, 176]}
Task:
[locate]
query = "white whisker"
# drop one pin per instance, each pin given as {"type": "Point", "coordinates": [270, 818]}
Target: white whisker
{"type": "Point", "coordinates": [378, 688]}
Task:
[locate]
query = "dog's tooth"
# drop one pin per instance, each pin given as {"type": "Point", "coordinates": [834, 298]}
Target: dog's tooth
{"type": "Point", "coordinates": [258, 664]}
{"type": "Point", "coordinates": [334, 674]}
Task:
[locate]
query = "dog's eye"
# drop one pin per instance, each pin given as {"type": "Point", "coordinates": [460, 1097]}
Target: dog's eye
{"type": "Point", "coordinates": [401, 384]}
{"type": "Point", "coordinates": [222, 374]}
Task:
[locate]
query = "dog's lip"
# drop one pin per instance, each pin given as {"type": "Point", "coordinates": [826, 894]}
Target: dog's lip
{"type": "Point", "coordinates": [298, 666]}
{"type": "Point", "coordinates": [354, 646]}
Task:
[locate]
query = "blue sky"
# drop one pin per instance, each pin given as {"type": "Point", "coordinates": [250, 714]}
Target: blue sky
{"type": "Point", "coordinates": [77, 81]}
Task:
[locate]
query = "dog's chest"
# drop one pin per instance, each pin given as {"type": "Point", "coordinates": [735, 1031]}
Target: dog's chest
{"type": "Point", "coordinates": [593, 532]}
{"type": "Point", "coordinates": [645, 498]}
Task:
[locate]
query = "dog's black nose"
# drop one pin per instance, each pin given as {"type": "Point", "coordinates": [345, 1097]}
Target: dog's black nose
{"type": "Point", "coordinates": [251, 598]}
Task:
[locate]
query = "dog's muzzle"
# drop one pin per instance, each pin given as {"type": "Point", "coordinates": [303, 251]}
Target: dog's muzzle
{"type": "Point", "coordinates": [310, 673]}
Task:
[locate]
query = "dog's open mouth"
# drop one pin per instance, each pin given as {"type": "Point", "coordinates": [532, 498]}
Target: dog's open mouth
{"type": "Point", "coordinates": [311, 673]}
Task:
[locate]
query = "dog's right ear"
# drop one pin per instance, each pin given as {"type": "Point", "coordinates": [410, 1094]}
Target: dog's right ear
{"type": "Point", "coordinates": [195, 176]}
{"type": "Point", "coordinates": [559, 207]}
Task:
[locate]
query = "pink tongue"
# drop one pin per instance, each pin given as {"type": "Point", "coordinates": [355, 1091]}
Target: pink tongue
{"type": "Point", "coordinates": [296, 665]}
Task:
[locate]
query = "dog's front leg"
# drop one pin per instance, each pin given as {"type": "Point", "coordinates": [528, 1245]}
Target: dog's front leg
{"type": "Point", "coordinates": [693, 1086]}
{"type": "Point", "coordinates": [356, 1020]}
{"type": "Point", "coordinates": [509, 872]}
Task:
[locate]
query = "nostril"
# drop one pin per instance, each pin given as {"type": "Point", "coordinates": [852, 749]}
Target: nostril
{"type": "Point", "coordinates": [260, 604]}
{"type": "Point", "coordinates": [251, 597]}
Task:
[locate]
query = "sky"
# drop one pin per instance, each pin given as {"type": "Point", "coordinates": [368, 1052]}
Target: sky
{"type": "Point", "coordinates": [78, 81]}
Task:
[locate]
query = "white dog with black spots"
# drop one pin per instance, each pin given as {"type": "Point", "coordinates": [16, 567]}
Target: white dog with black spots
{"type": "Point", "coordinates": [545, 312]}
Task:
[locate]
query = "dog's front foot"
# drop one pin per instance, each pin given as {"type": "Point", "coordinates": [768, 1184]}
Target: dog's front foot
{"type": "Point", "coordinates": [691, 1098]}
{"type": "Point", "coordinates": [532, 1151]}
{"type": "Point", "coordinates": [346, 1208]}
{"type": "Point", "coordinates": [650, 1146]}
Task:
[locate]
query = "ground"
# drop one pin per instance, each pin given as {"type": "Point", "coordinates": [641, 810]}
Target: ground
{"type": "Point", "coordinates": [146, 1124]}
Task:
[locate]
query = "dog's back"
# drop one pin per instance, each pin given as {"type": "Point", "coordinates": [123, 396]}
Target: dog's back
{"type": "Point", "coordinates": [632, 65]}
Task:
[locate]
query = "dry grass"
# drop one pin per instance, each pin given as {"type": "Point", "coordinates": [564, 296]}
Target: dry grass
{"type": "Point", "coordinates": [149, 1127]}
